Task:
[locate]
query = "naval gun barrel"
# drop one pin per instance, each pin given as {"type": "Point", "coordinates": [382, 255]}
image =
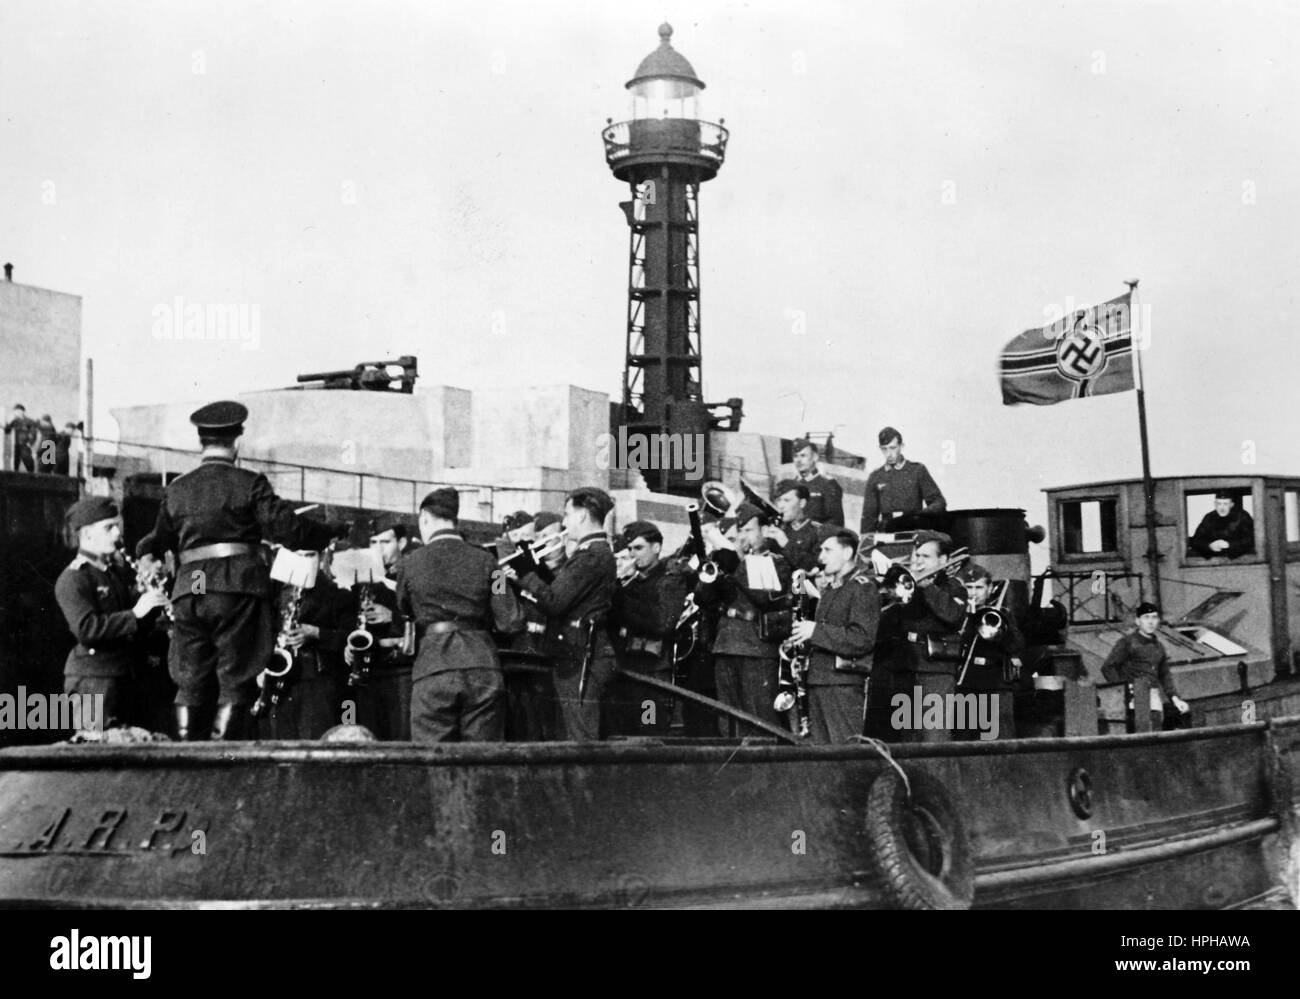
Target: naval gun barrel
{"type": "Point", "coordinates": [375, 376]}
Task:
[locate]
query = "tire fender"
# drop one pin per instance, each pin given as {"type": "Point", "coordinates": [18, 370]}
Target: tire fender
{"type": "Point", "coordinates": [919, 847]}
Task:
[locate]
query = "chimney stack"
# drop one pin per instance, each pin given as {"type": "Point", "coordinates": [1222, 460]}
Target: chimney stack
{"type": "Point", "coordinates": [9, 273]}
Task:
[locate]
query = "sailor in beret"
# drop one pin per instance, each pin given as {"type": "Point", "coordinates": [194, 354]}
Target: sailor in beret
{"type": "Point", "coordinates": [215, 518]}
{"type": "Point", "coordinates": [109, 621]}
{"type": "Point", "coordinates": [646, 610]}
{"type": "Point", "coordinates": [1140, 654]}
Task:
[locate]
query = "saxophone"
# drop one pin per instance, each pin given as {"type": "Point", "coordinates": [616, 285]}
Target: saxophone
{"type": "Point", "coordinates": [795, 659]}
{"type": "Point", "coordinates": [361, 641]}
{"type": "Point", "coordinates": [276, 675]}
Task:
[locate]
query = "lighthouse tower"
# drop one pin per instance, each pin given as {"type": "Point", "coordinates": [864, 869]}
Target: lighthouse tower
{"type": "Point", "coordinates": [664, 153]}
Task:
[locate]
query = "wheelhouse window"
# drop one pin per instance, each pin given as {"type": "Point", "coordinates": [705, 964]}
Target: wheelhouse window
{"type": "Point", "coordinates": [1292, 509]}
{"type": "Point", "coordinates": [1090, 526]}
{"type": "Point", "coordinates": [1222, 523]}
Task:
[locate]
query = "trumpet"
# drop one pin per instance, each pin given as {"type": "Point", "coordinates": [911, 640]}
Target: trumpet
{"type": "Point", "coordinates": [275, 677]}
{"type": "Point", "coordinates": [360, 640]}
{"type": "Point", "coordinates": [544, 548]}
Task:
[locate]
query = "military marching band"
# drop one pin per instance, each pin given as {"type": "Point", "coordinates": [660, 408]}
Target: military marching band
{"type": "Point", "coordinates": [768, 618]}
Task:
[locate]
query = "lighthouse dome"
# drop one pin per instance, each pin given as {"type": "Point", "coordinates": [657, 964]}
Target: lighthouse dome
{"type": "Point", "coordinates": [665, 62]}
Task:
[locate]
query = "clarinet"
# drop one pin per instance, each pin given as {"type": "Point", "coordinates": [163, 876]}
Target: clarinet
{"type": "Point", "coordinates": [795, 659]}
{"type": "Point", "coordinates": [276, 675]}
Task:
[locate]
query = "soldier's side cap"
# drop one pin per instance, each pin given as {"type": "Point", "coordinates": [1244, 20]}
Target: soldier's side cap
{"type": "Point", "coordinates": [791, 485]}
{"type": "Point", "coordinates": [1224, 494]}
{"type": "Point", "coordinates": [925, 537]}
{"type": "Point", "coordinates": [224, 415]}
{"type": "Point", "coordinates": [89, 511]}
{"type": "Point", "coordinates": [518, 519]}
{"type": "Point", "coordinates": [747, 512]}
{"type": "Point", "coordinates": [545, 519]}
{"type": "Point", "coordinates": [1146, 607]}
{"type": "Point", "coordinates": [802, 443]}
{"type": "Point", "coordinates": [973, 573]}
{"type": "Point", "coordinates": [386, 522]}
{"type": "Point", "coordinates": [642, 529]}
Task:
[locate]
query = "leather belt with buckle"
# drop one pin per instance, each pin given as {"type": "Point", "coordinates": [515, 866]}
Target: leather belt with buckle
{"type": "Point", "coordinates": [444, 627]}
{"type": "Point", "coordinates": [742, 615]}
{"type": "Point", "coordinates": [223, 549]}
{"type": "Point", "coordinates": [536, 628]}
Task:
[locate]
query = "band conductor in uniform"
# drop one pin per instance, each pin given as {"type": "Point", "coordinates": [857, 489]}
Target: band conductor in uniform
{"type": "Point", "coordinates": [214, 518]}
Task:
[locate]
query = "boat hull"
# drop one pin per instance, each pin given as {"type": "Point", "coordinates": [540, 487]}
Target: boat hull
{"type": "Point", "coordinates": [1194, 819]}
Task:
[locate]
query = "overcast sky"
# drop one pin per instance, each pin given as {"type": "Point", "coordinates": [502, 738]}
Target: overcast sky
{"type": "Point", "coordinates": [920, 180]}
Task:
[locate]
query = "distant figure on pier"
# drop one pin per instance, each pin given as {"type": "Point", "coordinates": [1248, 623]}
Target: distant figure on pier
{"type": "Point", "coordinates": [23, 428]}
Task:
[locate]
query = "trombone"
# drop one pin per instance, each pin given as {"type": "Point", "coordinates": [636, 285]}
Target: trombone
{"type": "Point", "coordinates": [988, 627]}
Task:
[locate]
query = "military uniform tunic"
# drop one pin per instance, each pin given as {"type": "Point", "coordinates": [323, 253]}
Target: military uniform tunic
{"type": "Point", "coordinates": [452, 591]}
{"type": "Point", "coordinates": [745, 666]}
{"type": "Point", "coordinates": [645, 615]}
{"type": "Point", "coordinates": [803, 544]}
{"type": "Point", "coordinates": [935, 611]}
{"type": "Point", "coordinates": [825, 499]}
{"type": "Point", "coordinates": [901, 491]}
{"type": "Point", "coordinates": [224, 622]}
{"type": "Point", "coordinates": [990, 669]}
{"type": "Point", "coordinates": [578, 600]}
{"type": "Point", "coordinates": [96, 599]}
{"type": "Point", "coordinates": [848, 615]}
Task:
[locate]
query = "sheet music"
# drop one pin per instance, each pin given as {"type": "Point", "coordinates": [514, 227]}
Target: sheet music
{"type": "Point", "coordinates": [761, 573]}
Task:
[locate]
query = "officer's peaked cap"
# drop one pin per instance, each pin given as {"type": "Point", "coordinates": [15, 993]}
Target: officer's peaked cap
{"type": "Point", "coordinates": [221, 416]}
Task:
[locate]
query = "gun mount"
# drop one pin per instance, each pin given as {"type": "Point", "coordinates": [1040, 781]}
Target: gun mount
{"type": "Point", "coordinates": [372, 376]}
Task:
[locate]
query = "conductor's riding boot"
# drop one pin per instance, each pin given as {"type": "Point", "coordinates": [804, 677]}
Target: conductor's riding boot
{"type": "Point", "coordinates": [185, 723]}
{"type": "Point", "coordinates": [229, 723]}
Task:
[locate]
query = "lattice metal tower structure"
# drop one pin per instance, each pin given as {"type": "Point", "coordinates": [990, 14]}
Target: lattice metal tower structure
{"type": "Point", "coordinates": [664, 153]}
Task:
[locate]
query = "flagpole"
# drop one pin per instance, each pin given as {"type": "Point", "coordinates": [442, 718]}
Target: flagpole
{"type": "Point", "coordinates": [1148, 484]}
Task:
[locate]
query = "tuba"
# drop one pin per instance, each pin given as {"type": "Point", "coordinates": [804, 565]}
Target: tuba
{"type": "Point", "coordinates": [361, 640]}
